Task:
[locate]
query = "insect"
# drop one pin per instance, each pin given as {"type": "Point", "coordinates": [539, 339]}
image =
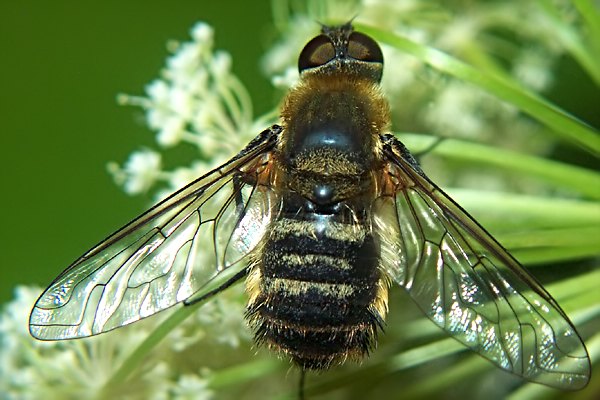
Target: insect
{"type": "Point", "coordinates": [321, 215]}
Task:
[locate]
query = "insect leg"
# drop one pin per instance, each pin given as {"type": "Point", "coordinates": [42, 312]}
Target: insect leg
{"type": "Point", "coordinates": [396, 146]}
{"type": "Point", "coordinates": [239, 200]}
{"type": "Point", "coordinates": [229, 282]}
{"type": "Point", "coordinates": [301, 384]}
{"type": "Point", "coordinates": [428, 149]}
{"type": "Point", "coordinates": [270, 134]}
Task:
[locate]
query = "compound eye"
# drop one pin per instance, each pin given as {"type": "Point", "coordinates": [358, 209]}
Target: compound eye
{"type": "Point", "coordinates": [362, 47]}
{"type": "Point", "coordinates": [317, 52]}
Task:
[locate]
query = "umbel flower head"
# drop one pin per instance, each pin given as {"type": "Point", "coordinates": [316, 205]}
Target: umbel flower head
{"type": "Point", "coordinates": [91, 367]}
{"type": "Point", "coordinates": [198, 101]}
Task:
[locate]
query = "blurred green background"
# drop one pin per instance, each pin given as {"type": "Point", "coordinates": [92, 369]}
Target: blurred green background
{"type": "Point", "coordinates": [63, 64]}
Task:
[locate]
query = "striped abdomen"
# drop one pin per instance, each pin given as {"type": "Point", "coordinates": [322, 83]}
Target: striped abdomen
{"type": "Point", "coordinates": [317, 293]}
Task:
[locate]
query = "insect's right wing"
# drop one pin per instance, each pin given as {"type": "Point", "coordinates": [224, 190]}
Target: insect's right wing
{"type": "Point", "coordinates": [167, 254]}
{"type": "Point", "coordinates": [468, 284]}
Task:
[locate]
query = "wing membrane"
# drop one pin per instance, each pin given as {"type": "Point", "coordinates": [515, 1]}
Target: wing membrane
{"type": "Point", "coordinates": [164, 256]}
{"type": "Point", "coordinates": [471, 287]}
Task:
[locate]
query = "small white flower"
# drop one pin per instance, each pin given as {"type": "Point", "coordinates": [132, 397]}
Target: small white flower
{"type": "Point", "coordinates": [203, 33]}
{"type": "Point", "coordinates": [158, 91]}
{"type": "Point", "coordinates": [158, 104]}
{"type": "Point", "coordinates": [284, 54]}
{"type": "Point", "coordinates": [171, 132]}
{"type": "Point", "coordinates": [397, 80]}
{"type": "Point", "coordinates": [458, 33]}
{"type": "Point", "coordinates": [181, 176]}
{"type": "Point", "coordinates": [192, 387]}
{"type": "Point", "coordinates": [140, 172]}
{"type": "Point", "coordinates": [532, 69]}
{"type": "Point", "coordinates": [204, 116]}
{"type": "Point", "coordinates": [198, 85]}
{"type": "Point", "coordinates": [182, 99]}
{"type": "Point", "coordinates": [454, 111]}
{"type": "Point", "coordinates": [286, 80]}
{"type": "Point", "coordinates": [182, 66]}
{"type": "Point", "coordinates": [220, 65]}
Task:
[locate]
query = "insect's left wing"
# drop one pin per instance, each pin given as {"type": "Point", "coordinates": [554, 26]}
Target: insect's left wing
{"type": "Point", "coordinates": [166, 255]}
{"type": "Point", "coordinates": [469, 285]}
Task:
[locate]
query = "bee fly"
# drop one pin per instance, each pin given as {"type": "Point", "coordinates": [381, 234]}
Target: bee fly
{"type": "Point", "coordinates": [320, 215]}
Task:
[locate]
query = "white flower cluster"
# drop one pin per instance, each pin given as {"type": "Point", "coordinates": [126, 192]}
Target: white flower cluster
{"type": "Point", "coordinates": [197, 101]}
{"type": "Point", "coordinates": [85, 368]}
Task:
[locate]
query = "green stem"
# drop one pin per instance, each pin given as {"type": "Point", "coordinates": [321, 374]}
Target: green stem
{"type": "Point", "coordinates": [153, 339]}
{"type": "Point", "coordinates": [422, 354]}
{"type": "Point", "coordinates": [544, 256]}
{"type": "Point", "coordinates": [571, 37]}
{"type": "Point", "coordinates": [590, 13]}
{"type": "Point", "coordinates": [567, 288]}
{"type": "Point", "coordinates": [561, 237]}
{"type": "Point", "coordinates": [243, 373]}
{"type": "Point", "coordinates": [584, 181]}
{"type": "Point", "coordinates": [461, 371]}
{"type": "Point", "coordinates": [531, 210]}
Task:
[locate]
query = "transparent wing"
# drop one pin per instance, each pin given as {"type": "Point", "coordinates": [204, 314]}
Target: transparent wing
{"type": "Point", "coordinates": [164, 256]}
{"type": "Point", "coordinates": [471, 287]}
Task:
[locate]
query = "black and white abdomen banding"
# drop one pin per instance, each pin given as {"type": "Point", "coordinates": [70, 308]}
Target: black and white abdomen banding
{"type": "Point", "coordinates": [316, 293]}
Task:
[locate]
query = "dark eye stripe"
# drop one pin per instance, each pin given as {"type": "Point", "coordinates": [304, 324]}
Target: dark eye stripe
{"type": "Point", "coordinates": [362, 47]}
{"type": "Point", "coordinates": [317, 52]}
